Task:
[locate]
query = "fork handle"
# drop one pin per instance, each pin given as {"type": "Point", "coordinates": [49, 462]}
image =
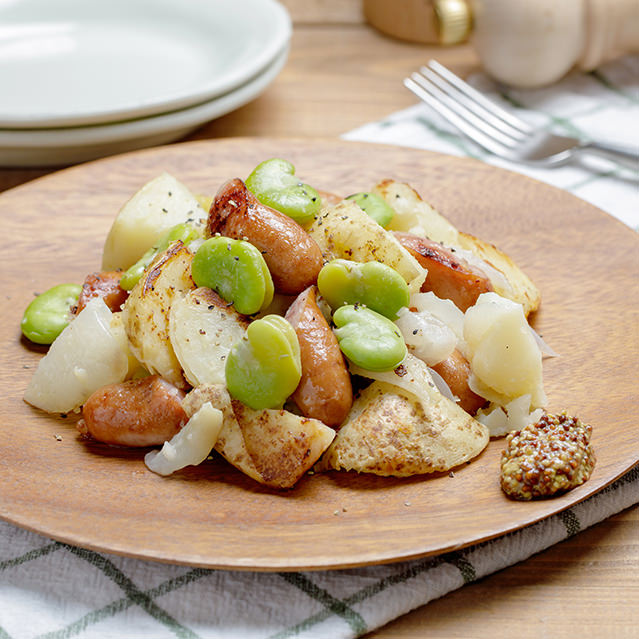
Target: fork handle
{"type": "Point", "coordinates": [613, 151]}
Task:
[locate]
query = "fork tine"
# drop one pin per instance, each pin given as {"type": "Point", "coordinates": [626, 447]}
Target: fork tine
{"type": "Point", "coordinates": [478, 108]}
{"type": "Point", "coordinates": [476, 123]}
{"type": "Point", "coordinates": [475, 95]}
{"type": "Point", "coordinates": [472, 132]}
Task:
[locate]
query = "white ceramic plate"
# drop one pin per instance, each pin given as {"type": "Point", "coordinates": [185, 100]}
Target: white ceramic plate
{"type": "Point", "coordinates": [70, 63]}
{"type": "Point", "coordinates": [56, 147]}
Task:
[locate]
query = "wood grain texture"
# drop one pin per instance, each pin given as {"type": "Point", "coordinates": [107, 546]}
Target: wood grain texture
{"type": "Point", "coordinates": [101, 497]}
{"type": "Point", "coordinates": [587, 585]}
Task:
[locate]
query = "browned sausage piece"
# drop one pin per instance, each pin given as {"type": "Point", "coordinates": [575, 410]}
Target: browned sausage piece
{"type": "Point", "coordinates": [292, 256]}
{"type": "Point", "coordinates": [106, 285]}
{"type": "Point", "coordinates": [140, 412]}
{"type": "Point", "coordinates": [329, 198]}
{"type": "Point", "coordinates": [325, 390]}
{"type": "Point", "coordinates": [455, 371]}
{"type": "Point", "coordinates": [449, 276]}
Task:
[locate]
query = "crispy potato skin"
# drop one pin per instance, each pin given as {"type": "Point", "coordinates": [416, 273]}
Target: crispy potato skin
{"type": "Point", "coordinates": [105, 284]}
{"type": "Point", "coordinates": [140, 412]}
{"type": "Point", "coordinates": [455, 371]}
{"type": "Point", "coordinates": [292, 256]}
{"type": "Point", "coordinates": [449, 276]}
{"type": "Point", "coordinates": [325, 390]}
{"type": "Point", "coordinates": [146, 312]}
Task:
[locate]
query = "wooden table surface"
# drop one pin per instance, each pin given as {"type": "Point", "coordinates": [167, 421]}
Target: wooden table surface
{"type": "Point", "coordinates": [342, 74]}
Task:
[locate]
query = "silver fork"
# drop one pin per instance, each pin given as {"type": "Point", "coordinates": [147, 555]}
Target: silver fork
{"type": "Point", "coordinates": [499, 131]}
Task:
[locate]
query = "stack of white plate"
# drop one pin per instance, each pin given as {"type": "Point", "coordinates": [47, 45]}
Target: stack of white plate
{"type": "Point", "coordinates": [85, 79]}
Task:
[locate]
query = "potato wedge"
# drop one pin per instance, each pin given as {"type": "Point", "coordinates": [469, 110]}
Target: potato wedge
{"type": "Point", "coordinates": [346, 231]}
{"type": "Point", "coordinates": [401, 425]}
{"type": "Point", "coordinates": [146, 312]}
{"type": "Point", "coordinates": [230, 442]}
{"type": "Point", "coordinates": [393, 433]}
{"type": "Point", "coordinates": [274, 447]}
{"type": "Point", "coordinates": [89, 353]}
{"type": "Point", "coordinates": [157, 207]}
{"type": "Point", "coordinates": [414, 215]}
{"type": "Point", "coordinates": [202, 329]}
{"type": "Point", "coordinates": [517, 287]}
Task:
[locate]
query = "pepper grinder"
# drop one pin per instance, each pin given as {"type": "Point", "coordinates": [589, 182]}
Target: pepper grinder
{"type": "Point", "coordinates": [519, 42]}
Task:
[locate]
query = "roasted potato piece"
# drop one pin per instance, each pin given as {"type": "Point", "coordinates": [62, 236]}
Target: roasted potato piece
{"type": "Point", "coordinates": [202, 329]}
{"type": "Point", "coordinates": [146, 312]}
{"type": "Point", "coordinates": [274, 447]}
{"type": "Point", "coordinates": [157, 207]}
{"type": "Point", "coordinates": [413, 215]}
{"type": "Point", "coordinates": [517, 286]}
{"type": "Point", "coordinates": [402, 425]}
{"type": "Point", "coordinates": [392, 432]}
{"type": "Point", "coordinates": [345, 231]}
{"type": "Point", "coordinates": [90, 352]}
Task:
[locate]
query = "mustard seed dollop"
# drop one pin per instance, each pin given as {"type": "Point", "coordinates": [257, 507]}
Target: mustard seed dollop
{"type": "Point", "coordinates": [546, 458]}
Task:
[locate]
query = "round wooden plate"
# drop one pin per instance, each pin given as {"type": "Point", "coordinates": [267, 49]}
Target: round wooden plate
{"type": "Point", "coordinates": [90, 495]}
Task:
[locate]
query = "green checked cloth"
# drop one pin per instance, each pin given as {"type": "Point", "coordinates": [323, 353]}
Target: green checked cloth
{"type": "Point", "coordinates": [601, 105]}
{"type": "Point", "coordinates": [49, 589]}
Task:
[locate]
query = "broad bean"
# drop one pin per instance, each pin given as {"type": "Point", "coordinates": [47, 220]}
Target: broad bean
{"type": "Point", "coordinates": [375, 206]}
{"type": "Point", "coordinates": [274, 184]}
{"type": "Point", "coordinates": [49, 313]}
{"type": "Point", "coordinates": [368, 339]}
{"type": "Point", "coordinates": [372, 284]}
{"type": "Point", "coordinates": [263, 368]}
{"type": "Point", "coordinates": [236, 270]}
{"type": "Point", "coordinates": [184, 232]}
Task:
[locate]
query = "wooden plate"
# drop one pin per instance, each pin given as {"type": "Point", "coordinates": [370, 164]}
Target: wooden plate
{"type": "Point", "coordinates": [584, 261]}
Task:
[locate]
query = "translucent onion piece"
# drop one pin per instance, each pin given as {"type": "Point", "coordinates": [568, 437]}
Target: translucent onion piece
{"type": "Point", "coordinates": [546, 350]}
{"type": "Point", "coordinates": [444, 310]}
{"type": "Point", "coordinates": [426, 336]}
{"type": "Point", "coordinates": [191, 445]}
{"type": "Point", "coordinates": [442, 386]}
{"type": "Point", "coordinates": [500, 420]}
{"type": "Point", "coordinates": [412, 375]}
{"type": "Point", "coordinates": [497, 278]}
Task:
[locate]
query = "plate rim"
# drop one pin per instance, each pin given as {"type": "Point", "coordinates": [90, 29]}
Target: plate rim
{"type": "Point", "coordinates": [33, 147]}
{"type": "Point", "coordinates": [277, 40]}
{"type": "Point", "coordinates": [565, 503]}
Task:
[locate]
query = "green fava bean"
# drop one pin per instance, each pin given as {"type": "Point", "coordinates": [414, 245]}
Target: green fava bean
{"type": "Point", "coordinates": [274, 184]}
{"type": "Point", "coordinates": [264, 367]}
{"type": "Point", "coordinates": [373, 284]}
{"type": "Point", "coordinates": [184, 232]}
{"type": "Point", "coordinates": [49, 313]}
{"type": "Point", "coordinates": [236, 270]}
{"type": "Point", "coordinates": [374, 206]}
{"type": "Point", "coordinates": [368, 339]}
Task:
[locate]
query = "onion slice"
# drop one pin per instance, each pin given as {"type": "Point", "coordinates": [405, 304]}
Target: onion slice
{"type": "Point", "coordinates": [546, 350]}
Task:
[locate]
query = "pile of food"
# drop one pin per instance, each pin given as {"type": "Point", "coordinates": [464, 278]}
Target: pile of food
{"type": "Point", "coordinates": [292, 330]}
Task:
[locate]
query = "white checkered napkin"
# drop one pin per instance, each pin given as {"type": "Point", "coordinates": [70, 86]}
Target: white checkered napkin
{"type": "Point", "coordinates": [601, 105]}
{"type": "Point", "coordinates": [49, 589]}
